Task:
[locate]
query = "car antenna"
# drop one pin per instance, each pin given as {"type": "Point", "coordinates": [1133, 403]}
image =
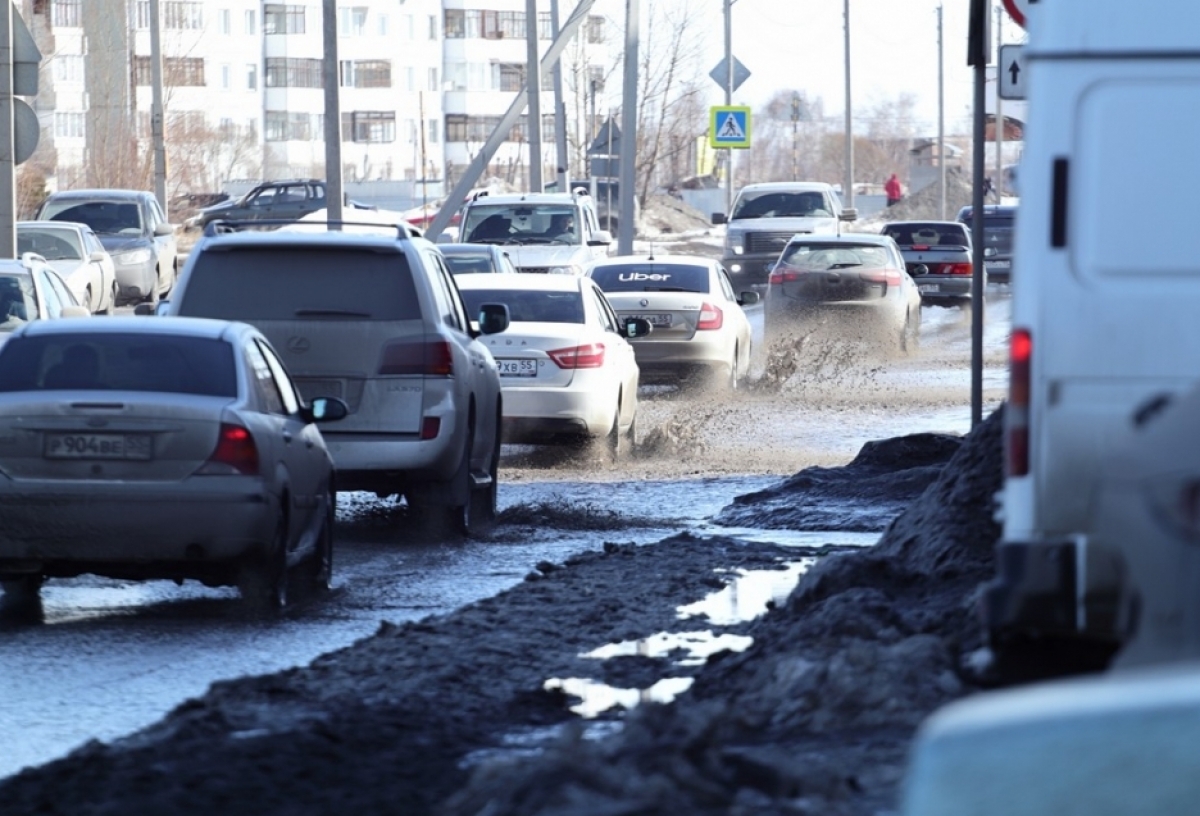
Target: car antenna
{"type": "Point", "coordinates": [651, 256]}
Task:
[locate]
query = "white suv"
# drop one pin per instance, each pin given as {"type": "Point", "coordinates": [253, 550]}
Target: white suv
{"type": "Point", "coordinates": [556, 233]}
{"type": "Point", "coordinates": [377, 320]}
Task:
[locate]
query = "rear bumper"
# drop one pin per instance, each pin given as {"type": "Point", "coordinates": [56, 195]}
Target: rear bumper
{"type": "Point", "coordinates": [659, 358]}
{"type": "Point", "coordinates": [532, 414]}
{"type": "Point", "coordinates": [385, 462]}
{"type": "Point", "coordinates": [944, 287]}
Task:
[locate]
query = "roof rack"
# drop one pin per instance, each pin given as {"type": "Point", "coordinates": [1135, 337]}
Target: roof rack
{"type": "Point", "coordinates": [226, 227]}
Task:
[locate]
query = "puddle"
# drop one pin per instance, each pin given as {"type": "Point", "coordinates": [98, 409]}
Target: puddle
{"type": "Point", "coordinates": [697, 646]}
{"type": "Point", "coordinates": [749, 595]}
{"type": "Point", "coordinates": [597, 697]}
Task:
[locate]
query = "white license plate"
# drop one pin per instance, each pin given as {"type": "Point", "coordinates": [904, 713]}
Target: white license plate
{"type": "Point", "coordinates": [928, 287]}
{"type": "Point", "coordinates": [998, 264]}
{"type": "Point", "coordinates": [517, 368]}
{"type": "Point", "coordinates": [658, 319]}
{"type": "Point", "coordinates": [98, 446]}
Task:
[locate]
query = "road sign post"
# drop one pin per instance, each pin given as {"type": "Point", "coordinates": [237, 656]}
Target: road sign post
{"type": "Point", "coordinates": [729, 126]}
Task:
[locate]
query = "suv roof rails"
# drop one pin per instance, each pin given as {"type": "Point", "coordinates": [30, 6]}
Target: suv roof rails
{"type": "Point", "coordinates": [226, 227]}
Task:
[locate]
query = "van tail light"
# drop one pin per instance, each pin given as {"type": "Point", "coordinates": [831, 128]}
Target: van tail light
{"type": "Point", "coordinates": [1016, 421]}
{"type": "Point", "coordinates": [590, 355]}
{"type": "Point", "coordinates": [711, 318]}
{"type": "Point", "coordinates": [957, 269]}
{"type": "Point", "coordinates": [235, 453]}
{"type": "Point", "coordinates": [431, 358]}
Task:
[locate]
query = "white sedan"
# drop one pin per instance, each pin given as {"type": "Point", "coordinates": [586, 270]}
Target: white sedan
{"type": "Point", "coordinates": [76, 254]}
{"type": "Point", "coordinates": [567, 371]}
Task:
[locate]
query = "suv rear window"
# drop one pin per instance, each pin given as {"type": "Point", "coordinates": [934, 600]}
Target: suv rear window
{"type": "Point", "coordinates": [119, 362]}
{"type": "Point", "coordinates": [927, 234]}
{"type": "Point", "coordinates": [651, 278]}
{"type": "Point", "coordinates": [310, 282]}
{"type": "Point", "coordinates": [527, 306]}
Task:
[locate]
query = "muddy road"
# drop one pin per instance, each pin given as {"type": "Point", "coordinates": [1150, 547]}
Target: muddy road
{"type": "Point", "coordinates": [101, 659]}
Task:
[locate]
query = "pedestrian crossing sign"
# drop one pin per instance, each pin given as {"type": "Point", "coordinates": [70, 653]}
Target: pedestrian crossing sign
{"type": "Point", "coordinates": [729, 126]}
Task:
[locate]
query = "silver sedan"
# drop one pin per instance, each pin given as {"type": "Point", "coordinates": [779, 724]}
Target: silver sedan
{"type": "Point", "coordinates": [171, 448]}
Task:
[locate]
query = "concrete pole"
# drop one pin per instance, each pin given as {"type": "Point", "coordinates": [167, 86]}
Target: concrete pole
{"type": "Point", "coordinates": [998, 138]}
{"type": "Point", "coordinates": [8, 178]}
{"type": "Point", "coordinates": [562, 160]}
{"type": "Point", "coordinates": [941, 119]}
{"type": "Point", "coordinates": [848, 186]}
{"type": "Point", "coordinates": [629, 107]}
{"type": "Point", "coordinates": [157, 125]}
{"type": "Point", "coordinates": [729, 100]}
{"type": "Point", "coordinates": [333, 114]}
{"type": "Point", "coordinates": [533, 78]}
{"type": "Point", "coordinates": [977, 231]}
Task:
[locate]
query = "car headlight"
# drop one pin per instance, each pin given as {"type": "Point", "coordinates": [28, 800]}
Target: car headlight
{"type": "Point", "coordinates": [567, 269]}
{"type": "Point", "coordinates": [134, 256]}
{"type": "Point", "coordinates": [734, 243]}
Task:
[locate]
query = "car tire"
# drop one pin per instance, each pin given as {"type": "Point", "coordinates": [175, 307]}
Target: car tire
{"type": "Point", "coordinates": [319, 565]}
{"type": "Point", "coordinates": [438, 514]}
{"type": "Point", "coordinates": [481, 510]}
{"type": "Point", "coordinates": [88, 295]}
{"type": "Point", "coordinates": [263, 578]}
{"type": "Point", "coordinates": [153, 297]}
{"type": "Point", "coordinates": [112, 303]}
{"type": "Point", "coordinates": [613, 449]}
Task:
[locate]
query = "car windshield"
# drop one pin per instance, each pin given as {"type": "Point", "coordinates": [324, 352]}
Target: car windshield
{"type": "Point", "coordinates": [529, 306]}
{"type": "Point", "coordinates": [811, 204]}
{"type": "Point", "coordinates": [466, 263]}
{"type": "Point", "coordinates": [651, 277]}
{"type": "Point", "coordinates": [931, 234]}
{"type": "Point", "coordinates": [521, 224]}
{"type": "Point", "coordinates": [111, 217]}
{"type": "Point", "coordinates": [52, 244]}
{"type": "Point", "coordinates": [18, 303]}
{"type": "Point", "coordinates": [119, 362]}
{"type": "Point", "coordinates": [823, 257]}
{"type": "Point", "coordinates": [300, 282]}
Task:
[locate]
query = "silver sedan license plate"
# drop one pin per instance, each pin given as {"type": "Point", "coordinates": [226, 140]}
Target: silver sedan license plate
{"type": "Point", "coordinates": [97, 446]}
{"type": "Point", "coordinates": [517, 368]}
{"type": "Point", "coordinates": [659, 319]}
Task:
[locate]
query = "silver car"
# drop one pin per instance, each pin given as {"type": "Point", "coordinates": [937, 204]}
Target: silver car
{"type": "Point", "coordinates": [699, 325]}
{"type": "Point", "coordinates": [173, 448]}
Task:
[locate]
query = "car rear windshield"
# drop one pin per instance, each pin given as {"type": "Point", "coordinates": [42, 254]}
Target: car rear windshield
{"type": "Point", "coordinates": [822, 257]}
{"type": "Point", "coordinates": [529, 307]}
{"type": "Point", "coordinates": [467, 263]}
{"type": "Point", "coordinates": [300, 283]}
{"type": "Point", "coordinates": [648, 277]}
{"type": "Point", "coordinates": [119, 362]}
{"type": "Point", "coordinates": [934, 235]}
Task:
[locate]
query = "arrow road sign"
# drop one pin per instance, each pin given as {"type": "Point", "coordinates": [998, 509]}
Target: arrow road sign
{"type": "Point", "coordinates": [729, 126]}
{"type": "Point", "coordinates": [1012, 73]}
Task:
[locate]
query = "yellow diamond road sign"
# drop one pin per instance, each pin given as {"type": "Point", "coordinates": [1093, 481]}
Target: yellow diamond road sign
{"type": "Point", "coordinates": [729, 126]}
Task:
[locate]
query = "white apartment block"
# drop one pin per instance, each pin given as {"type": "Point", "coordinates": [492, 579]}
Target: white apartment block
{"type": "Point", "coordinates": [422, 85]}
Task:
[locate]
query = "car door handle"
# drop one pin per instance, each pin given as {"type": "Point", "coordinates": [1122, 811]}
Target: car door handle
{"type": "Point", "coordinates": [287, 437]}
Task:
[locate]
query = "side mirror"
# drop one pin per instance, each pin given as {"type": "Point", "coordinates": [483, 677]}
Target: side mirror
{"type": "Point", "coordinates": [990, 252]}
{"type": "Point", "coordinates": [97, 255]}
{"type": "Point", "coordinates": [493, 318]}
{"type": "Point", "coordinates": [637, 327]}
{"type": "Point", "coordinates": [327, 409]}
{"type": "Point", "coordinates": [719, 218]}
{"type": "Point", "coordinates": [848, 214]}
{"type": "Point", "coordinates": [749, 298]}
{"type": "Point", "coordinates": [164, 229]}
{"type": "Point", "coordinates": [600, 238]}
{"type": "Point", "coordinates": [74, 311]}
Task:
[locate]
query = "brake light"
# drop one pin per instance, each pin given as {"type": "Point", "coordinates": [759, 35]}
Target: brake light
{"type": "Point", "coordinates": [430, 427]}
{"type": "Point", "coordinates": [958, 268]}
{"type": "Point", "coordinates": [590, 355]}
{"type": "Point", "coordinates": [783, 274]}
{"type": "Point", "coordinates": [235, 453]}
{"type": "Point", "coordinates": [1016, 419]}
{"type": "Point", "coordinates": [429, 358]}
{"type": "Point", "coordinates": [711, 318]}
{"type": "Point", "coordinates": [886, 276]}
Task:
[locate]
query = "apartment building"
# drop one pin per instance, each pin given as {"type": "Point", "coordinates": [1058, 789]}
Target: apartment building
{"type": "Point", "coordinates": [422, 84]}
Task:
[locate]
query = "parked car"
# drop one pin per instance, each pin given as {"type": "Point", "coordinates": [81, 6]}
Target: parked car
{"type": "Point", "coordinates": [568, 369]}
{"type": "Point", "coordinates": [76, 254]}
{"type": "Point", "coordinates": [469, 259]}
{"type": "Point", "coordinates": [554, 233]}
{"type": "Point", "coordinates": [376, 319]}
{"type": "Point", "coordinates": [699, 326]}
{"type": "Point", "coordinates": [858, 280]}
{"type": "Point", "coordinates": [999, 227]}
{"type": "Point", "coordinates": [163, 449]}
{"type": "Point", "coordinates": [279, 200]}
{"type": "Point", "coordinates": [133, 229]}
{"type": "Point", "coordinates": [937, 255]}
{"type": "Point", "coordinates": [31, 290]}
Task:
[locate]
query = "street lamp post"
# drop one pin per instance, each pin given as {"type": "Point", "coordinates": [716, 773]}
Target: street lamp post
{"type": "Point", "coordinates": [729, 98]}
{"type": "Point", "coordinates": [848, 186]}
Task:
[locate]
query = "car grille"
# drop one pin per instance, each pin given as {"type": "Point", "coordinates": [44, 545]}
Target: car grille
{"type": "Point", "coordinates": [537, 270]}
{"type": "Point", "coordinates": [757, 242]}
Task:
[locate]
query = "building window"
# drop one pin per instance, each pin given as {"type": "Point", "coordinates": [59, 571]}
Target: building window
{"type": "Point", "coordinates": [178, 72]}
{"type": "Point", "coordinates": [456, 127]}
{"type": "Point", "coordinates": [595, 29]}
{"type": "Point", "coordinates": [433, 79]}
{"type": "Point", "coordinates": [433, 27]}
{"type": "Point", "coordinates": [512, 24]}
{"type": "Point", "coordinates": [382, 26]}
{"type": "Point", "coordinates": [251, 21]}
{"type": "Point", "coordinates": [66, 13]}
{"type": "Point", "coordinates": [366, 73]}
{"type": "Point", "coordinates": [226, 77]}
{"type": "Point", "coordinates": [352, 22]}
{"type": "Point", "coordinates": [285, 126]}
{"type": "Point", "coordinates": [463, 128]}
{"type": "Point", "coordinates": [225, 21]}
{"type": "Point", "coordinates": [545, 26]}
{"type": "Point", "coordinates": [374, 127]}
{"type": "Point", "coordinates": [68, 125]}
{"type": "Point", "coordinates": [455, 24]}
{"type": "Point", "coordinates": [182, 16]}
{"type": "Point", "coordinates": [67, 67]}
{"type": "Point", "coordinates": [510, 77]}
{"type": "Point", "coordinates": [410, 78]}
{"type": "Point", "coordinates": [293, 72]}
{"type": "Point", "coordinates": [433, 131]}
{"type": "Point", "coordinates": [283, 19]}
{"type": "Point", "coordinates": [252, 77]}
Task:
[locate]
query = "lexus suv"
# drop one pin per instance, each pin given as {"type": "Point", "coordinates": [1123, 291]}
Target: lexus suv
{"type": "Point", "coordinates": [556, 233]}
{"type": "Point", "coordinates": [374, 318]}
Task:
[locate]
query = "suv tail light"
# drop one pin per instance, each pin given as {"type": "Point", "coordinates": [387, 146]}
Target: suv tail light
{"type": "Point", "coordinates": [1016, 420]}
{"type": "Point", "coordinates": [235, 453]}
{"type": "Point", "coordinates": [711, 318]}
{"type": "Point", "coordinates": [590, 355]}
{"type": "Point", "coordinates": [784, 274]}
{"type": "Point", "coordinates": [431, 358]}
{"type": "Point", "coordinates": [887, 276]}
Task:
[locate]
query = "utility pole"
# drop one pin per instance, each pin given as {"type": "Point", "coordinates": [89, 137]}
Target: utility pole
{"type": "Point", "coordinates": [157, 129]}
{"type": "Point", "coordinates": [941, 120]}
{"type": "Point", "coordinates": [8, 167]}
{"type": "Point", "coordinates": [795, 136]}
{"type": "Point", "coordinates": [998, 130]}
{"type": "Point", "coordinates": [333, 114]}
{"type": "Point", "coordinates": [848, 191]}
{"type": "Point", "coordinates": [533, 78]}
{"type": "Point", "coordinates": [626, 193]}
{"type": "Point", "coordinates": [729, 99]}
{"type": "Point", "coordinates": [563, 161]}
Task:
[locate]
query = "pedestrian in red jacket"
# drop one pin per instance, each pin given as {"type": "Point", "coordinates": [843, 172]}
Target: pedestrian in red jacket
{"type": "Point", "coordinates": [893, 190]}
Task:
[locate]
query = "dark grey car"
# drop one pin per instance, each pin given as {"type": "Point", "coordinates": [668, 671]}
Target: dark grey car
{"type": "Point", "coordinates": [937, 254]}
{"type": "Point", "coordinates": [999, 222]}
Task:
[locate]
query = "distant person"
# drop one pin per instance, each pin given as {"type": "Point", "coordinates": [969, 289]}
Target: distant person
{"type": "Point", "coordinates": [893, 190]}
{"type": "Point", "coordinates": [988, 187]}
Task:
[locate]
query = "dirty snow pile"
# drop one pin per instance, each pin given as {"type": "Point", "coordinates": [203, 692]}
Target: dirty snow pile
{"type": "Point", "coordinates": [923, 204]}
{"type": "Point", "coordinates": [667, 215]}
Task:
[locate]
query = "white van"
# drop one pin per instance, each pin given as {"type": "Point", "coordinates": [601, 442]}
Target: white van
{"type": "Point", "coordinates": [1106, 297]}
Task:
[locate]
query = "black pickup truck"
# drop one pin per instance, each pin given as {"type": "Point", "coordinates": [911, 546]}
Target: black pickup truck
{"type": "Point", "coordinates": [937, 254]}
